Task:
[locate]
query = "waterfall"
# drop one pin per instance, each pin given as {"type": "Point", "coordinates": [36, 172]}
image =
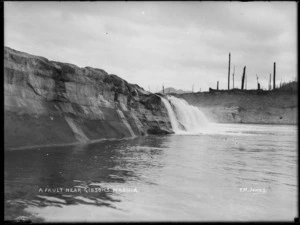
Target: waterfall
{"type": "Point", "coordinates": [172, 116]}
{"type": "Point", "coordinates": [184, 117]}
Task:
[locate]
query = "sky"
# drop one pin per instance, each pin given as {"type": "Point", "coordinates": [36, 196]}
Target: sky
{"type": "Point", "coordinates": [175, 44]}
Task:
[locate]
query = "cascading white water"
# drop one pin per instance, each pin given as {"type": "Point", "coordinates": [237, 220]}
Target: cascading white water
{"type": "Point", "coordinates": [172, 116]}
{"type": "Point", "coordinates": [190, 117]}
{"type": "Point", "coordinates": [184, 117]}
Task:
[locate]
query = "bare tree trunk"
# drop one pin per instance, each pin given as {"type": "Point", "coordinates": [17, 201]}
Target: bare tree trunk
{"type": "Point", "coordinates": [274, 76]}
{"type": "Point", "coordinates": [163, 90]}
{"type": "Point", "coordinates": [217, 85]}
{"type": "Point", "coordinates": [229, 72]}
{"type": "Point", "coordinates": [243, 78]}
{"type": "Point", "coordinates": [233, 77]}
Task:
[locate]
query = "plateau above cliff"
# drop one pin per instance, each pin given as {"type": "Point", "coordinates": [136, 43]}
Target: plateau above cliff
{"type": "Point", "coordinates": [266, 107]}
{"type": "Point", "coordinates": [54, 103]}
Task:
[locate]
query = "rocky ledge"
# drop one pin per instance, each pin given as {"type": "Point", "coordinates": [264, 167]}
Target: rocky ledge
{"type": "Point", "coordinates": [54, 103]}
{"type": "Point", "coordinates": [261, 107]}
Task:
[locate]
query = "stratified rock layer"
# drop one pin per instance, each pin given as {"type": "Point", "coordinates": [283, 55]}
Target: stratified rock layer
{"type": "Point", "coordinates": [273, 107]}
{"type": "Point", "coordinates": [53, 103]}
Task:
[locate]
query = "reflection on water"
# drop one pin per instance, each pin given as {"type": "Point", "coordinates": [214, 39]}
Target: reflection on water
{"type": "Point", "coordinates": [42, 177]}
{"type": "Point", "coordinates": [238, 172]}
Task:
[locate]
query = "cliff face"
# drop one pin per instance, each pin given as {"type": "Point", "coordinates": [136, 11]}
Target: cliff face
{"type": "Point", "coordinates": [50, 103]}
{"type": "Point", "coordinates": [239, 107]}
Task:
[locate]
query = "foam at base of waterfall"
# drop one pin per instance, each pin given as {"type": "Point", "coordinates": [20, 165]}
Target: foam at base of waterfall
{"type": "Point", "coordinates": [225, 130]}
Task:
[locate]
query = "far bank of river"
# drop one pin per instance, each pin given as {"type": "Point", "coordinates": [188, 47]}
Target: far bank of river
{"type": "Point", "coordinates": [246, 107]}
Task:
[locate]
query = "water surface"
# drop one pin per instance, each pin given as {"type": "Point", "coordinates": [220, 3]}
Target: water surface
{"type": "Point", "coordinates": [232, 172]}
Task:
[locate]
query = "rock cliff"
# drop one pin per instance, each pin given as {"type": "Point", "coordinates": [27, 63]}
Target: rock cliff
{"type": "Point", "coordinates": [273, 107]}
{"type": "Point", "coordinates": [54, 103]}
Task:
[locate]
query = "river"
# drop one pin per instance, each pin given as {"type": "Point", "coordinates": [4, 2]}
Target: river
{"type": "Point", "coordinates": [231, 172]}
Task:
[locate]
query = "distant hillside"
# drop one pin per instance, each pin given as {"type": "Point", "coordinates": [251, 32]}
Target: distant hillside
{"type": "Point", "coordinates": [170, 90]}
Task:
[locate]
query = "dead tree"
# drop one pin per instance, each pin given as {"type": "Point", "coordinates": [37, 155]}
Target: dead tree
{"type": "Point", "coordinates": [274, 76]}
{"type": "Point", "coordinates": [270, 82]}
{"type": "Point", "coordinates": [217, 85]}
{"type": "Point", "coordinates": [233, 77]}
{"type": "Point", "coordinates": [243, 78]}
{"type": "Point", "coordinates": [163, 90]}
{"type": "Point", "coordinates": [229, 72]}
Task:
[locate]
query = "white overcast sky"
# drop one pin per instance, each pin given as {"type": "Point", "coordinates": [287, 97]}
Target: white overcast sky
{"type": "Point", "coordinates": [177, 44]}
